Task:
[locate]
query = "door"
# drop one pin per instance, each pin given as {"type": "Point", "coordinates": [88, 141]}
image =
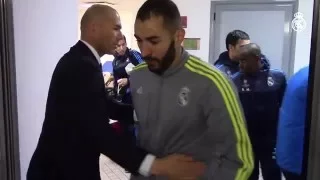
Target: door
{"type": "Point", "coordinates": [267, 24]}
{"type": "Point", "coordinates": [9, 144]}
{"type": "Point", "coordinates": [3, 162]}
{"type": "Point", "coordinates": [311, 158]}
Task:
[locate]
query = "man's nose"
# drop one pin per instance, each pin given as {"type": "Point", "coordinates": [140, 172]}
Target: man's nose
{"type": "Point", "coordinates": [145, 51]}
{"type": "Point", "coordinates": [119, 36]}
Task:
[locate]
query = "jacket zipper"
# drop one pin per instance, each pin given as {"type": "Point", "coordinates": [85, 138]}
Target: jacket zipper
{"type": "Point", "coordinates": [158, 109]}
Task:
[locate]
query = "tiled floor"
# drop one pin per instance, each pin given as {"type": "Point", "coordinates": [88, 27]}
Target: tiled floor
{"type": "Point", "coordinates": [111, 171]}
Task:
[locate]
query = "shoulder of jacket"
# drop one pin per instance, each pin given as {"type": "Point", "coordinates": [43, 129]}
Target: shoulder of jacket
{"type": "Point", "coordinates": [140, 67]}
{"type": "Point", "coordinates": [205, 70]}
{"type": "Point", "coordinates": [236, 75]}
{"type": "Point", "coordinates": [277, 73]}
{"type": "Point", "coordinates": [134, 51]}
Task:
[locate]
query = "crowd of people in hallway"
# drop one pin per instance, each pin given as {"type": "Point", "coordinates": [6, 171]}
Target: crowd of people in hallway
{"type": "Point", "coordinates": [275, 109]}
{"type": "Point", "coordinates": [179, 117]}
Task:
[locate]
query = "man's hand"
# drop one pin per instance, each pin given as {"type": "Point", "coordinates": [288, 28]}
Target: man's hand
{"type": "Point", "coordinates": [123, 82]}
{"type": "Point", "coordinates": [178, 167]}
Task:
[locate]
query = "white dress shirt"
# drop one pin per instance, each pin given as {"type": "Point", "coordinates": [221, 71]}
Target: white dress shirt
{"type": "Point", "coordinates": [146, 164]}
{"type": "Point", "coordinates": [94, 52]}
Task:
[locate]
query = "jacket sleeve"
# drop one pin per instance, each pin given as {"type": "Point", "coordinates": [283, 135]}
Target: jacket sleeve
{"type": "Point", "coordinates": [233, 157]}
{"type": "Point", "coordinates": [94, 121]}
{"type": "Point", "coordinates": [120, 111]}
{"type": "Point", "coordinates": [137, 56]}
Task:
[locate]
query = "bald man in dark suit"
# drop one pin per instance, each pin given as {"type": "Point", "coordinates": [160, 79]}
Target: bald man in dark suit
{"type": "Point", "coordinates": [76, 127]}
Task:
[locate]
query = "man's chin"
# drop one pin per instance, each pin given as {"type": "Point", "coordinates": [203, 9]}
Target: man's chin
{"type": "Point", "coordinates": [109, 53]}
{"type": "Point", "coordinates": [154, 70]}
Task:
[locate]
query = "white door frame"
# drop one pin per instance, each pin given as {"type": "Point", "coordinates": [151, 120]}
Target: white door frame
{"type": "Point", "coordinates": [311, 160]}
{"type": "Point", "coordinates": [289, 66]}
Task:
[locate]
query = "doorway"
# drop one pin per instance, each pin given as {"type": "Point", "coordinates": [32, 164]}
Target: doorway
{"type": "Point", "coordinates": [266, 23]}
{"type": "Point", "coordinates": [9, 144]}
{"type": "Point", "coordinates": [311, 160]}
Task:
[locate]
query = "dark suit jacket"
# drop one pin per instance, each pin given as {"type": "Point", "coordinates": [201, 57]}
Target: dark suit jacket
{"type": "Point", "coordinates": [76, 127]}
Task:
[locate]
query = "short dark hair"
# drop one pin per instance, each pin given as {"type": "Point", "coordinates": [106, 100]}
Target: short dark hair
{"type": "Point", "coordinates": [234, 36]}
{"type": "Point", "coordinates": [251, 49]}
{"type": "Point", "coordinates": [166, 9]}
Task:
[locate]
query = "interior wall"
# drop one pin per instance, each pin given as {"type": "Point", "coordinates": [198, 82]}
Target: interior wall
{"type": "Point", "coordinates": [43, 32]}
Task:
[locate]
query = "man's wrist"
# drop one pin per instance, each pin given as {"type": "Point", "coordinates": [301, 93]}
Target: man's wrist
{"type": "Point", "coordinates": [145, 167]}
{"type": "Point", "coordinates": [157, 167]}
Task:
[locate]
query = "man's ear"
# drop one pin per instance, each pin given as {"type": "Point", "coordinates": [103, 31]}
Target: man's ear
{"type": "Point", "coordinates": [231, 47]}
{"type": "Point", "coordinates": [180, 34]}
{"type": "Point", "coordinates": [258, 58]}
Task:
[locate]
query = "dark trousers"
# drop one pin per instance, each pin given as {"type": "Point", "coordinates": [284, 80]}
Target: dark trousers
{"type": "Point", "coordinates": [265, 155]}
{"type": "Point", "coordinates": [291, 176]}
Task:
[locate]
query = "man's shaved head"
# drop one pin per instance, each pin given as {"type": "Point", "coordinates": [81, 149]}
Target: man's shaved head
{"type": "Point", "coordinates": [96, 12]}
{"type": "Point", "coordinates": [251, 49]}
{"type": "Point", "coordinates": [100, 27]}
{"type": "Point", "coordinates": [250, 58]}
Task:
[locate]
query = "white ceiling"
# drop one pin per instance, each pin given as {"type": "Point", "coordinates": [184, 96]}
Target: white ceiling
{"type": "Point", "coordinates": [111, 1]}
{"type": "Point", "coordinates": [127, 5]}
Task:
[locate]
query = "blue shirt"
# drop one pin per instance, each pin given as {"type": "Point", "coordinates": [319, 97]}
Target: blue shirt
{"type": "Point", "coordinates": [289, 149]}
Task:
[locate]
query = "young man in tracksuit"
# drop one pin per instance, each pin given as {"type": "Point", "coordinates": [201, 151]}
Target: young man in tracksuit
{"type": "Point", "coordinates": [183, 104]}
{"type": "Point", "coordinates": [261, 92]}
{"type": "Point", "coordinates": [228, 61]}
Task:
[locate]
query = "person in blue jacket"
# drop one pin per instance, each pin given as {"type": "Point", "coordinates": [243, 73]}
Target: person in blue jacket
{"type": "Point", "coordinates": [124, 57]}
{"type": "Point", "coordinates": [290, 140]}
{"type": "Point", "coordinates": [228, 61]}
{"type": "Point", "coordinates": [261, 92]}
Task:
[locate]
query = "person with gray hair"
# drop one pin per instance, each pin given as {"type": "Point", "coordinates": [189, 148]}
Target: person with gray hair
{"type": "Point", "coordinates": [261, 93]}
